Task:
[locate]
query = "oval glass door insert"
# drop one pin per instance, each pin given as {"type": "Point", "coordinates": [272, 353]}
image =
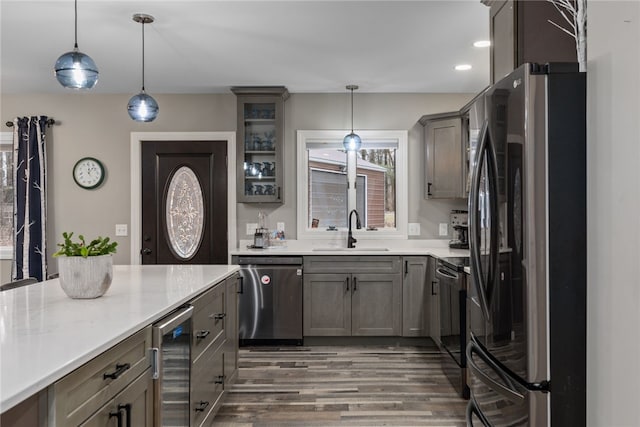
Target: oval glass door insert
{"type": "Point", "coordinates": [185, 213]}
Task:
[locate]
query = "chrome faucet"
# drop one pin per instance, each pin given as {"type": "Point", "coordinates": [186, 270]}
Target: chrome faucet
{"type": "Point", "coordinates": [350, 239]}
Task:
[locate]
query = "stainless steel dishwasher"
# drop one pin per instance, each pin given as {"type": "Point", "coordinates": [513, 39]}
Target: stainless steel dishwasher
{"type": "Point", "coordinates": [270, 300]}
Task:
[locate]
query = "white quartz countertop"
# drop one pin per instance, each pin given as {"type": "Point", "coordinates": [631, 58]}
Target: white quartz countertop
{"type": "Point", "coordinates": [45, 335]}
{"type": "Point", "coordinates": [436, 248]}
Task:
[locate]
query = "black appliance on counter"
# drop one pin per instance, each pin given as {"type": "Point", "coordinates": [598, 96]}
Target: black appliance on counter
{"type": "Point", "coordinates": [452, 290]}
{"type": "Point", "coordinates": [270, 300]}
{"type": "Point", "coordinates": [527, 315]}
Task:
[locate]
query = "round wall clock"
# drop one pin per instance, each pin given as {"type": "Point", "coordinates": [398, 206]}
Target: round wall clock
{"type": "Point", "coordinates": [88, 173]}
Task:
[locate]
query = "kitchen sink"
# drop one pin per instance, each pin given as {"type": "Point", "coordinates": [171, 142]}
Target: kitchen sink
{"type": "Point", "coordinates": [331, 249]}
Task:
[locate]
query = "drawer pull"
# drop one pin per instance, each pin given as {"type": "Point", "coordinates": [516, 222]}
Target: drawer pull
{"type": "Point", "coordinates": [200, 335]}
{"type": "Point", "coordinates": [220, 379]}
{"type": "Point", "coordinates": [127, 410]}
{"type": "Point", "coordinates": [120, 369]}
{"type": "Point", "coordinates": [218, 316]}
{"type": "Point", "coordinates": [118, 416]}
{"type": "Point", "coordinates": [201, 406]}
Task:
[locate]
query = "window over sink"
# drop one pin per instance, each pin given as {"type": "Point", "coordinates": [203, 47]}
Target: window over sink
{"type": "Point", "coordinates": [332, 182]}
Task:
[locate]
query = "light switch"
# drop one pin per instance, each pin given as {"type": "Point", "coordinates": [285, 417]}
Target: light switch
{"type": "Point", "coordinates": [251, 228]}
{"type": "Point", "coordinates": [444, 229]}
{"type": "Point", "coordinates": [121, 230]}
{"type": "Point", "coordinates": [414, 229]}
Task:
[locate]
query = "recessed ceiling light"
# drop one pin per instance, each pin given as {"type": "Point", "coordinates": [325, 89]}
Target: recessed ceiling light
{"type": "Point", "coordinates": [482, 43]}
{"type": "Point", "coordinates": [463, 67]}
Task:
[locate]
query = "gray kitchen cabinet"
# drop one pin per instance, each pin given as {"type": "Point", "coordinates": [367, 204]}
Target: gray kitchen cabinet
{"type": "Point", "coordinates": [260, 143]}
{"type": "Point", "coordinates": [445, 153]}
{"type": "Point", "coordinates": [416, 297]}
{"type": "Point", "coordinates": [77, 396]}
{"type": "Point", "coordinates": [342, 299]}
{"type": "Point", "coordinates": [231, 330]}
{"type": "Point", "coordinates": [327, 304]}
{"type": "Point", "coordinates": [520, 32]}
{"type": "Point", "coordinates": [133, 406]}
{"type": "Point", "coordinates": [214, 349]}
{"type": "Point", "coordinates": [434, 315]}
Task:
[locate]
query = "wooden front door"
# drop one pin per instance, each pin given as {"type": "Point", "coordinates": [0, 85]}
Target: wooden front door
{"type": "Point", "coordinates": [184, 202]}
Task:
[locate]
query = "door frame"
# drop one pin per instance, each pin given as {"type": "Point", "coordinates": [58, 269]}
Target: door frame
{"type": "Point", "coordinates": [137, 139]}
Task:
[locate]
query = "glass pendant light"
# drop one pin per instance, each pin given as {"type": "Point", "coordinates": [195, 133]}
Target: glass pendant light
{"type": "Point", "coordinates": [142, 107]}
{"type": "Point", "coordinates": [75, 69]}
{"type": "Point", "coordinates": [352, 142]}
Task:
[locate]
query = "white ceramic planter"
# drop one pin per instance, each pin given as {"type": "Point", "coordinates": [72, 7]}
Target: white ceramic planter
{"type": "Point", "coordinates": [85, 277]}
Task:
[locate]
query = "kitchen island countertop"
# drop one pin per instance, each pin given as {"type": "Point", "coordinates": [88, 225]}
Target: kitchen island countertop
{"type": "Point", "coordinates": [44, 335]}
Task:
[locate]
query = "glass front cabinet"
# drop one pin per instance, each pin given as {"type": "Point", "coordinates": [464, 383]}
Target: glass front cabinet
{"type": "Point", "coordinates": [260, 144]}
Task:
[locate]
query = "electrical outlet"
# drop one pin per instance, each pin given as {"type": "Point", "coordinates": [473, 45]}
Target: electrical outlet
{"type": "Point", "coordinates": [121, 230]}
{"type": "Point", "coordinates": [280, 226]}
{"type": "Point", "coordinates": [414, 229]}
{"type": "Point", "coordinates": [444, 229]}
{"type": "Point", "coordinates": [251, 228]}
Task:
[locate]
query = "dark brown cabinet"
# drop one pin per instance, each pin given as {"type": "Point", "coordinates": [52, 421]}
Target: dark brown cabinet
{"type": "Point", "coordinates": [520, 32]}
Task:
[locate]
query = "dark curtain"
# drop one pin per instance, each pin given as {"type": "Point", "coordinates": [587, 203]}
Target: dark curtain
{"type": "Point", "coordinates": [30, 198]}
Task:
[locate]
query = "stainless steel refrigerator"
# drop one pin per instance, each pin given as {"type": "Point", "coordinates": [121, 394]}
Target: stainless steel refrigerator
{"type": "Point", "coordinates": [526, 350]}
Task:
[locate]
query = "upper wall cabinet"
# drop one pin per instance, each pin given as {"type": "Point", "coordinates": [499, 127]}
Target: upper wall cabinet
{"type": "Point", "coordinates": [259, 168]}
{"type": "Point", "coordinates": [445, 154]}
{"type": "Point", "coordinates": [521, 32]}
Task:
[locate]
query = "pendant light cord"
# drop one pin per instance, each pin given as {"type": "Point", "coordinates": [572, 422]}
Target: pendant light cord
{"type": "Point", "coordinates": [76, 24]}
{"type": "Point", "coordinates": [143, 21]}
{"type": "Point", "coordinates": [143, 55]}
{"type": "Point", "coordinates": [352, 110]}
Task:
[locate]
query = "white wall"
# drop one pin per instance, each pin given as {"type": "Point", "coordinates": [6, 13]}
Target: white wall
{"type": "Point", "coordinates": [613, 325]}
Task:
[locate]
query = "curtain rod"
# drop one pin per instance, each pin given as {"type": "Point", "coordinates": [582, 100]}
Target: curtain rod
{"type": "Point", "coordinates": [50, 122]}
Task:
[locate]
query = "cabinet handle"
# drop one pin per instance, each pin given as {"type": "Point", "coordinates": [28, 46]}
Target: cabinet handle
{"type": "Point", "coordinates": [278, 193]}
{"type": "Point", "coordinates": [218, 316]}
{"type": "Point", "coordinates": [347, 280]}
{"type": "Point", "coordinates": [241, 291]}
{"type": "Point", "coordinates": [145, 251]}
{"type": "Point", "coordinates": [220, 379]}
{"type": "Point", "coordinates": [118, 415]}
{"type": "Point", "coordinates": [120, 369]}
{"type": "Point", "coordinates": [155, 363]}
{"type": "Point", "coordinates": [429, 189]}
{"type": "Point", "coordinates": [434, 291]}
{"type": "Point", "coordinates": [200, 335]}
{"type": "Point", "coordinates": [201, 406]}
{"type": "Point", "coordinates": [355, 284]}
{"type": "Point", "coordinates": [406, 267]}
{"type": "Point", "coordinates": [127, 412]}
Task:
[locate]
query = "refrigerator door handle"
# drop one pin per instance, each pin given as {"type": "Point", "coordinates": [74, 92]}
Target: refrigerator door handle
{"type": "Point", "coordinates": [474, 222]}
{"type": "Point", "coordinates": [494, 230]}
{"type": "Point", "coordinates": [507, 392]}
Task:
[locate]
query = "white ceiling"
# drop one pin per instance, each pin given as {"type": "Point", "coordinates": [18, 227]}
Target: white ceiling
{"type": "Point", "coordinates": [207, 46]}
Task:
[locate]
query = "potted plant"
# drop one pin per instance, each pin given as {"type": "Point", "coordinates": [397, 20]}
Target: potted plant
{"type": "Point", "coordinates": [85, 269]}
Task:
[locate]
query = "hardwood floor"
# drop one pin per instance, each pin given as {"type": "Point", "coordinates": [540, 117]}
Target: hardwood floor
{"type": "Point", "coordinates": [341, 386]}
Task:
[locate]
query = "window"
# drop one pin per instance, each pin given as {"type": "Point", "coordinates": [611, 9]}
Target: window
{"type": "Point", "coordinates": [326, 177]}
{"type": "Point", "coordinates": [6, 195]}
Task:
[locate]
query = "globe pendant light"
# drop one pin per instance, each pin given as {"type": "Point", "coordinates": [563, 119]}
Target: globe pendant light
{"type": "Point", "coordinates": [75, 69]}
{"type": "Point", "coordinates": [352, 142]}
{"type": "Point", "coordinates": [142, 107]}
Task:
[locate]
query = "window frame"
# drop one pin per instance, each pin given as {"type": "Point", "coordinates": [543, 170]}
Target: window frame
{"type": "Point", "coordinates": [399, 137]}
{"type": "Point", "coordinates": [6, 138]}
